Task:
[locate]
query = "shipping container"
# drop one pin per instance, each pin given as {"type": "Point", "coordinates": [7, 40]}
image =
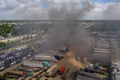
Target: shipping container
{"type": "Point", "coordinates": [26, 68]}
{"type": "Point", "coordinates": [93, 76]}
{"type": "Point", "coordinates": [16, 73]}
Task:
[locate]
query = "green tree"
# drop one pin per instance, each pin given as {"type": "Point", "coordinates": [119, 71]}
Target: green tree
{"type": "Point", "coordinates": [5, 29]}
{"type": "Point", "coordinates": [2, 44]}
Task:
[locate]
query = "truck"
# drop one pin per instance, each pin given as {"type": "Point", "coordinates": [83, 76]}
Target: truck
{"type": "Point", "coordinates": [51, 70]}
{"type": "Point", "coordinates": [64, 49]}
{"type": "Point", "coordinates": [57, 57]}
{"type": "Point", "coordinates": [46, 64]}
{"type": "Point", "coordinates": [61, 70]}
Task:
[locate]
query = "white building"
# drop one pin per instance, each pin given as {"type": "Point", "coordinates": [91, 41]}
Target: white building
{"type": "Point", "coordinates": [31, 63]}
{"type": "Point", "coordinates": [44, 57]}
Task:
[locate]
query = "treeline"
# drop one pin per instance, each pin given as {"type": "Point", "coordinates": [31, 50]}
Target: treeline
{"type": "Point", "coordinates": [5, 29]}
{"type": "Point", "coordinates": [2, 44]}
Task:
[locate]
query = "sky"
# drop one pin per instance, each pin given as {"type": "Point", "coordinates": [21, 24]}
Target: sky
{"type": "Point", "coordinates": [40, 9]}
{"type": "Point", "coordinates": [101, 1]}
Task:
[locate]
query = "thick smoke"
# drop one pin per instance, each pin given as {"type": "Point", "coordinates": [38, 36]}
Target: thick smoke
{"type": "Point", "coordinates": [70, 11]}
{"type": "Point", "coordinates": [69, 33]}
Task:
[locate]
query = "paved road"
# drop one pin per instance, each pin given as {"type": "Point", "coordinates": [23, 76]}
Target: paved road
{"type": "Point", "coordinates": [15, 38]}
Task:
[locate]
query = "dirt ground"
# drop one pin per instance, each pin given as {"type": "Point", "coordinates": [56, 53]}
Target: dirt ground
{"type": "Point", "coordinates": [70, 61]}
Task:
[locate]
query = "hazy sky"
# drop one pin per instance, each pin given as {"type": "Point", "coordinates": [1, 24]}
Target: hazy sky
{"type": "Point", "coordinates": [39, 9]}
